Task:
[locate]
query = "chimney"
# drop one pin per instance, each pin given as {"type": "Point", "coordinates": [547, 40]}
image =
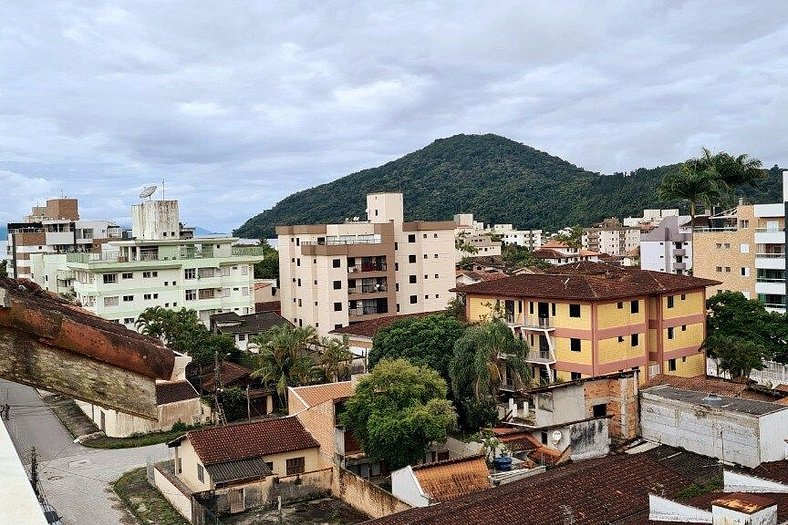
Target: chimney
{"type": "Point", "coordinates": [739, 508]}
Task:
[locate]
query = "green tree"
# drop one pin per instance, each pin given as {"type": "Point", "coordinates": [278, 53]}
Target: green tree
{"type": "Point", "coordinates": [480, 358]}
{"type": "Point", "coordinates": [735, 171]}
{"type": "Point", "coordinates": [574, 238]}
{"type": "Point", "coordinates": [335, 358]}
{"type": "Point", "coordinates": [4, 268]}
{"type": "Point", "coordinates": [234, 403]}
{"type": "Point", "coordinates": [515, 257]}
{"type": "Point", "coordinates": [694, 183]}
{"type": "Point", "coordinates": [456, 309]}
{"type": "Point", "coordinates": [735, 355]}
{"type": "Point", "coordinates": [427, 340]}
{"type": "Point", "coordinates": [397, 411]}
{"type": "Point", "coordinates": [285, 358]}
{"type": "Point", "coordinates": [268, 268]}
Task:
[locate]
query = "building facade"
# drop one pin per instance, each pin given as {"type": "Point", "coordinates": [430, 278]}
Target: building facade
{"type": "Point", "coordinates": [160, 266]}
{"type": "Point", "coordinates": [54, 229]}
{"type": "Point", "coordinates": [668, 247]}
{"type": "Point", "coordinates": [588, 319]}
{"type": "Point", "coordinates": [333, 275]}
{"type": "Point", "coordinates": [611, 237]}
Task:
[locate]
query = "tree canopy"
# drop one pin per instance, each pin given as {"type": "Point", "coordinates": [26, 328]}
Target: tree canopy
{"type": "Point", "coordinates": [268, 268]}
{"type": "Point", "coordinates": [427, 340]}
{"type": "Point", "coordinates": [397, 411]}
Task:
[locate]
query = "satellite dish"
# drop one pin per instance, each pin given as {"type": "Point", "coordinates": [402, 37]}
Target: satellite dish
{"type": "Point", "coordinates": [147, 192]}
{"type": "Point", "coordinates": [556, 436]}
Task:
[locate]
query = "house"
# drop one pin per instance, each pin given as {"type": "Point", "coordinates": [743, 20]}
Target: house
{"type": "Point", "coordinates": [265, 291]}
{"type": "Point", "coordinates": [235, 467]}
{"type": "Point", "coordinates": [743, 431]}
{"type": "Point", "coordinates": [588, 319]}
{"type": "Point", "coordinates": [176, 402]}
{"type": "Point", "coordinates": [423, 485]}
{"type": "Point", "coordinates": [574, 420]}
{"type": "Point", "coordinates": [333, 275]}
{"type": "Point", "coordinates": [612, 489]}
{"type": "Point", "coordinates": [262, 400]}
{"type": "Point", "coordinates": [268, 306]}
{"type": "Point", "coordinates": [465, 277]}
{"type": "Point", "coordinates": [242, 328]}
{"type": "Point", "coordinates": [558, 252]}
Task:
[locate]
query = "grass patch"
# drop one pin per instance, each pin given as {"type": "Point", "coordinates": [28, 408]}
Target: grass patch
{"type": "Point", "coordinates": [144, 501]}
{"type": "Point", "coordinates": [698, 489]}
{"type": "Point", "coordinates": [70, 415]}
{"type": "Point", "coordinates": [141, 440]}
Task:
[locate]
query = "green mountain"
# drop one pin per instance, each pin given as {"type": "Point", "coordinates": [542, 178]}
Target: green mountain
{"type": "Point", "coordinates": [497, 179]}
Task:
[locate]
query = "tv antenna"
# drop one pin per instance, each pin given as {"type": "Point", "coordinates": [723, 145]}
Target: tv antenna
{"type": "Point", "coordinates": [147, 192]}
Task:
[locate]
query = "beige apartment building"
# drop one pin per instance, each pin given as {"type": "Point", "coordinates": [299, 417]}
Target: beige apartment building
{"type": "Point", "coordinates": [725, 251]}
{"type": "Point", "coordinates": [611, 237]}
{"type": "Point", "coordinates": [333, 275]}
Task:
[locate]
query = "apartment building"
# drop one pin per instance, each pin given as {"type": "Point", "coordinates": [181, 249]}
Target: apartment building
{"type": "Point", "coordinates": [611, 237]}
{"type": "Point", "coordinates": [558, 252]}
{"type": "Point", "coordinates": [587, 319]}
{"type": "Point", "coordinates": [332, 275]}
{"type": "Point", "coordinates": [54, 228]}
{"type": "Point", "coordinates": [745, 248]}
{"type": "Point", "coordinates": [651, 218]}
{"type": "Point", "coordinates": [158, 267]}
{"type": "Point", "coordinates": [531, 239]}
{"type": "Point", "coordinates": [668, 247]}
{"type": "Point", "coordinates": [476, 245]}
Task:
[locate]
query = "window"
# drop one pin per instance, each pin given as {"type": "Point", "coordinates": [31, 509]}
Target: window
{"type": "Point", "coordinates": [424, 235]}
{"type": "Point", "coordinates": [544, 438]}
{"type": "Point", "coordinates": [411, 258]}
{"type": "Point", "coordinates": [727, 269]}
{"type": "Point", "coordinates": [148, 275]}
{"type": "Point", "coordinates": [683, 328]}
{"type": "Point", "coordinates": [671, 365]}
{"type": "Point", "coordinates": [414, 299]}
{"type": "Point", "coordinates": [245, 291]}
{"type": "Point", "coordinates": [336, 326]}
{"type": "Point", "coordinates": [634, 340]}
{"type": "Point", "coordinates": [298, 261]}
{"type": "Point", "coordinates": [337, 285]}
{"type": "Point", "coordinates": [412, 279]}
{"type": "Point", "coordinates": [128, 298]}
{"type": "Point", "coordinates": [574, 376]}
{"type": "Point", "coordinates": [744, 224]}
{"type": "Point", "coordinates": [191, 295]}
{"type": "Point", "coordinates": [396, 266]}
{"type": "Point", "coordinates": [620, 306]}
{"type": "Point", "coordinates": [634, 307]}
{"type": "Point", "coordinates": [299, 281]}
{"type": "Point", "coordinates": [412, 238]}
{"type": "Point", "coordinates": [178, 465]}
{"type": "Point", "coordinates": [436, 276]}
{"type": "Point", "coordinates": [190, 273]}
{"type": "Point", "coordinates": [671, 332]}
{"type": "Point", "coordinates": [110, 278]}
{"type": "Point", "coordinates": [719, 246]}
{"type": "Point", "coordinates": [127, 275]}
{"type": "Point", "coordinates": [200, 473]}
{"type": "Point", "coordinates": [574, 310]}
{"type": "Point", "coordinates": [425, 255]}
{"type": "Point", "coordinates": [718, 269]}
{"type": "Point", "coordinates": [575, 345]}
{"type": "Point", "coordinates": [111, 301]}
{"type": "Point", "coordinates": [128, 320]}
{"type": "Point", "coordinates": [337, 307]}
{"type": "Point", "coordinates": [337, 263]}
{"type": "Point", "coordinates": [245, 269]}
{"type": "Point", "coordinates": [744, 248]}
{"type": "Point", "coordinates": [299, 303]}
{"type": "Point", "coordinates": [396, 246]}
{"type": "Point", "coordinates": [552, 307]}
{"type": "Point", "coordinates": [600, 410]}
{"type": "Point", "coordinates": [683, 297]}
{"type": "Point", "coordinates": [242, 337]}
{"type": "Point", "coordinates": [295, 466]}
{"type": "Point", "coordinates": [147, 297]}
{"type": "Point", "coordinates": [270, 464]}
{"type": "Point", "coordinates": [670, 301]}
{"type": "Point", "coordinates": [621, 339]}
{"type": "Point", "coordinates": [745, 272]}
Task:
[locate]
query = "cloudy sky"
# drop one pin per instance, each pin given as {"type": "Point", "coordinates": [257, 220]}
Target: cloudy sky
{"type": "Point", "coordinates": [238, 104]}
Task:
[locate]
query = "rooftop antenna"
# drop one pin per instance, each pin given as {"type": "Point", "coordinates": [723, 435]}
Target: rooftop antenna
{"type": "Point", "coordinates": [147, 192]}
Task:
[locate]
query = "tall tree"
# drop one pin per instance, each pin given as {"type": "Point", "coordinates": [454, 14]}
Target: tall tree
{"type": "Point", "coordinates": [480, 359]}
{"type": "Point", "coordinates": [397, 411]}
{"type": "Point", "coordinates": [735, 355]}
{"type": "Point", "coordinates": [268, 268]}
{"type": "Point", "coordinates": [694, 183]}
{"type": "Point", "coordinates": [285, 358]}
{"type": "Point", "coordinates": [335, 358]}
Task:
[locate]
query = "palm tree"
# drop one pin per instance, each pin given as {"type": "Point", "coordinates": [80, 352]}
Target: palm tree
{"type": "Point", "coordinates": [152, 321]}
{"type": "Point", "coordinates": [695, 183]}
{"type": "Point", "coordinates": [285, 357]}
{"type": "Point", "coordinates": [335, 357]}
{"type": "Point", "coordinates": [733, 172]}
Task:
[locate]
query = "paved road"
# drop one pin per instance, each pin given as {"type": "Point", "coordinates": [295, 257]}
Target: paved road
{"type": "Point", "coordinates": [75, 479]}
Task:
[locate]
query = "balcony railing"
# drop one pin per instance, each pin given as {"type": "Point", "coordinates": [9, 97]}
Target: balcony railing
{"type": "Point", "coordinates": [537, 322]}
{"type": "Point", "coordinates": [379, 267]}
{"type": "Point", "coordinates": [341, 242]}
{"type": "Point", "coordinates": [769, 230]}
{"type": "Point", "coordinates": [769, 280]}
{"type": "Point", "coordinates": [778, 255]}
{"type": "Point", "coordinates": [368, 289]}
{"type": "Point", "coordinates": [367, 310]}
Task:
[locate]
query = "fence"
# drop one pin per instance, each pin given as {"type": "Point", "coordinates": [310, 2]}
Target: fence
{"type": "Point", "coordinates": [773, 373]}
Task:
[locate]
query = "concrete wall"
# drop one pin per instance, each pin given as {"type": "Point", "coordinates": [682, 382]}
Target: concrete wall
{"type": "Point", "coordinates": [181, 502]}
{"type": "Point", "coordinates": [708, 431]}
{"type": "Point", "coordinates": [364, 496]}
{"type": "Point", "coordinates": [119, 424]}
{"type": "Point", "coordinates": [405, 486]}
{"type": "Point", "coordinates": [588, 439]}
{"type": "Point", "coordinates": [774, 433]}
{"type": "Point", "coordinates": [319, 421]}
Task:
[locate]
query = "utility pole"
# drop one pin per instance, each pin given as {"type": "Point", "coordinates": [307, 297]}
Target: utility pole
{"type": "Point", "coordinates": [34, 471]}
{"type": "Point", "coordinates": [217, 387]}
{"type": "Point", "coordinates": [248, 405]}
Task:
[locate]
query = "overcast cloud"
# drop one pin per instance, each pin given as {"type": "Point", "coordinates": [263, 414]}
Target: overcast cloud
{"type": "Point", "coordinates": [238, 104]}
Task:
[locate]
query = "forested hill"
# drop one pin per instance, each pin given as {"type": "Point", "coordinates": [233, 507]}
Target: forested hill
{"type": "Point", "coordinates": [497, 179]}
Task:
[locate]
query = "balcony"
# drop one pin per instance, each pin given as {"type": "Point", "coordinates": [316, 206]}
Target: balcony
{"type": "Point", "coordinates": [769, 286]}
{"type": "Point", "coordinates": [367, 310]}
{"type": "Point", "coordinates": [681, 252]}
{"type": "Point", "coordinates": [769, 235]}
{"type": "Point", "coordinates": [542, 357]}
{"type": "Point", "coordinates": [770, 260]}
{"type": "Point", "coordinates": [680, 266]}
{"type": "Point", "coordinates": [362, 268]}
{"type": "Point", "coordinates": [367, 289]}
{"type": "Point", "coordinates": [538, 323]}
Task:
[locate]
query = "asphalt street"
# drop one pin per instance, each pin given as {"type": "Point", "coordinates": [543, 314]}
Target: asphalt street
{"type": "Point", "coordinates": [75, 479]}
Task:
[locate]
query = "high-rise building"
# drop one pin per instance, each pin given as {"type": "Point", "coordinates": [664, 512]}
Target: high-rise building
{"type": "Point", "coordinates": [332, 275]}
{"type": "Point", "coordinates": [668, 247]}
{"type": "Point", "coordinates": [611, 237]}
{"type": "Point", "coordinates": [54, 228]}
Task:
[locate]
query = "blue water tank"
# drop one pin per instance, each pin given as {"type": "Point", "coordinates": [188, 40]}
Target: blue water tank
{"type": "Point", "coordinates": [503, 463]}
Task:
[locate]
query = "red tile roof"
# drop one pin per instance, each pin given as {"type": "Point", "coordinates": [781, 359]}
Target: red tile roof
{"type": "Point", "coordinates": [172, 392]}
{"type": "Point", "coordinates": [454, 478]}
{"type": "Point", "coordinates": [268, 306]}
{"type": "Point", "coordinates": [230, 373]}
{"type": "Point", "coordinates": [483, 275]}
{"type": "Point", "coordinates": [591, 492]}
{"type": "Point", "coordinates": [313, 395]}
{"type": "Point", "coordinates": [370, 328]}
{"type": "Point", "coordinates": [588, 281]}
{"type": "Point", "coordinates": [249, 440]}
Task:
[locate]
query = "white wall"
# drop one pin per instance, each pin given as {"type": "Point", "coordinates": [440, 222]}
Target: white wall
{"type": "Point", "coordinates": [405, 486]}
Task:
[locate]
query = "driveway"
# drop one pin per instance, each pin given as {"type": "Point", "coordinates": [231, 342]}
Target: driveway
{"type": "Point", "coordinates": [75, 479]}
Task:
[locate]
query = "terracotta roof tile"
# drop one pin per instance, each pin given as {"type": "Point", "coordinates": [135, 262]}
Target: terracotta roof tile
{"type": "Point", "coordinates": [268, 306]}
{"type": "Point", "coordinates": [230, 373]}
{"type": "Point", "coordinates": [371, 327]}
{"type": "Point", "coordinates": [588, 281]}
{"type": "Point", "coordinates": [448, 480]}
{"type": "Point", "coordinates": [313, 395]}
{"type": "Point", "coordinates": [172, 392]}
{"type": "Point", "coordinates": [250, 440]}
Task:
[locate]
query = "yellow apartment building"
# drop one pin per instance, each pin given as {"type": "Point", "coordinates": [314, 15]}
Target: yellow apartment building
{"type": "Point", "coordinates": [587, 319]}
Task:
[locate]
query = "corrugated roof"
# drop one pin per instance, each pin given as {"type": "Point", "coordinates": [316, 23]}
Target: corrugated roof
{"type": "Point", "coordinates": [730, 404]}
{"type": "Point", "coordinates": [250, 440]}
{"type": "Point", "coordinates": [709, 385]}
{"type": "Point", "coordinates": [588, 281]}
{"type": "Point", "coordinates": [238, 470]}
{"type": "Point", "coordinates": [451, 479]}
{"type": "Point", "coordinates": [172, 392]}
{"type": "Point", "coordinates": [313, 395]}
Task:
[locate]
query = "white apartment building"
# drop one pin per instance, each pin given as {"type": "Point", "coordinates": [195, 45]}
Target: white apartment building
{"type": "Point", "coordinates": [771, 241]}
{"type": "Point", "coordinates": [668, 247]}
{"type": "Point", "coordinates": [157, 268]}
{"type": "Point", "coordinates": [650, 218]}
{"type": "Point", "coordinates": [531, 239]}
{"type": "Point", "coordinates": [54, 228]}
{"type": "Point", "coordinates": [611, 237]}
{"type": "Point", "coordinates": [476, 245]}
{"type": "Point", "coordinates": [332, 275]}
